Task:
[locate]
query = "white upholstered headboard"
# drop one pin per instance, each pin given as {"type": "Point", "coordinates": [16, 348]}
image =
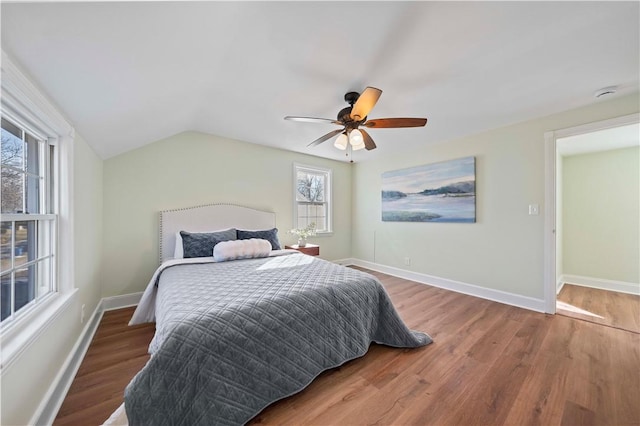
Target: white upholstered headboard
{"type": "Point", "coordinates": [211, 217]}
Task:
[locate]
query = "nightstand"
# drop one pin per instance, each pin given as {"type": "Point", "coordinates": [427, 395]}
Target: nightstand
{"type": "Point", "coordinates": [310, 249]}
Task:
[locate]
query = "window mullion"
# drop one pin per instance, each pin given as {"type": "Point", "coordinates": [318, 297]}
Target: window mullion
{"type": "Point", "coordinates": [53, 237]}
{"type": "Point", "coordinates": [46, 186]}
{"type": "Point", "coordinates": [12, 282]}
{"type": "Point", "coordinates": [13, 244]}
{"type": "Point", "coordinates": [30, 263]}
{"type": "Point", "coordinates": [42, 199]}
{"type": "Point", "coordinates": [24, 174]}
{"type": "Point", "coordinates": [12, 299]}
{"type": "Point", "coordinates": [19, 217]}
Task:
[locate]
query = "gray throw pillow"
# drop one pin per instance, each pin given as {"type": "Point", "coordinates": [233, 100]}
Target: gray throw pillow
{"type": "Point", "coordinates": [270, 235]}
{"type": "Point", "coordinates": [202, 244]}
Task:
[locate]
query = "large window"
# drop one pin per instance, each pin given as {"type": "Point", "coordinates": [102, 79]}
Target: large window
{"type": "Point", "coordinates": [27, 234]}
{"type": "Point", "coordinates": [312, 186]}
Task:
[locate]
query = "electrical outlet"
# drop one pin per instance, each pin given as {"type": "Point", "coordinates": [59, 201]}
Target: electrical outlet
{"type": "Point", "coordinates": [82, 311]}
{"type": "Point", "coordinates": [407, 261]}
{"type": "Point", "coordinates": [534, 209]}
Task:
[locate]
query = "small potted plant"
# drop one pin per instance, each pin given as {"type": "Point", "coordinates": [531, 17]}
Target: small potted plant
{"type": "Point", "coordinates": [304, 233]}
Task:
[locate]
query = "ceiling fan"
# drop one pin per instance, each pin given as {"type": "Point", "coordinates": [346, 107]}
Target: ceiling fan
{"type": "Point", "coordinates": [353, 117]}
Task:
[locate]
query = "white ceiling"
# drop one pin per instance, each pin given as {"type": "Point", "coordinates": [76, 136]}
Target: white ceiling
{"type": "Point", "coordinates": [129, 73]}
{"type": "Point", "coordinates": [601, 140]}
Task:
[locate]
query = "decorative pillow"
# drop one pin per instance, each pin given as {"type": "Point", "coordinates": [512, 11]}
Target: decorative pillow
{"type": "Point", "coordinates": [221, 235]}
{"type": "Point", "coordinates": [241, 249]}
{"type": "Point", "coordinates": [202, 244]}
{"type": "Point", "coordinates": [270, 235]}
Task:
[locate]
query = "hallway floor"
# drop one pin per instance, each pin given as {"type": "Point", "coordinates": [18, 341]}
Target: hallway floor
{"type": "Point", "coordinates": [618, 310]}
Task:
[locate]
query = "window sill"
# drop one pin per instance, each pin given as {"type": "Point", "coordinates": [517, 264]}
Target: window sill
{"type": "Point", "coordinates": [19, 336]}
{"type": "Point", "coordinates": [324, 234]}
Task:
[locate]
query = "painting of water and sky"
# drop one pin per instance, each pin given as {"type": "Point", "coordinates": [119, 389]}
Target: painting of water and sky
{"type": "Point", "coordinates": [438, 192]}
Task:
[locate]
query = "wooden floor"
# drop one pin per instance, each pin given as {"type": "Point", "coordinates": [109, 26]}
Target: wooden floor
{"type": "Point", "coordinates": [490, 364]}
{"type": "Point", "coordinates": [117, 352]}
{"type": "Point", "coordinates": [605, 307]}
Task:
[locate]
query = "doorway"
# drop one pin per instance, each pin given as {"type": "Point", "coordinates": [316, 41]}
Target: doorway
{"type": "Point", "coordinates": [591, 224]}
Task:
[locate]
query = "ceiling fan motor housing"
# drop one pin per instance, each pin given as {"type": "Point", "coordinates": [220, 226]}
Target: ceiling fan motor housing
{"type": "Point", "coordinates": [345, 113]}
{"type": "Point", "coordinates": [351, 97]}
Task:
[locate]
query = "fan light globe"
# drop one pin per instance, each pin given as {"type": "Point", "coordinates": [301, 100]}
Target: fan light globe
{"type": "Point", "coordinates": [341, 142]}
{"type": "Point", "coordinates": [358, 147]}
{"type": "Point", "coordinates": [356, 140]}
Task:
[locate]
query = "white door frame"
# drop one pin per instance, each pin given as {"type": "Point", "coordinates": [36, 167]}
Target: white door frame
{"type": "Point", "coordinates": [550, 172]}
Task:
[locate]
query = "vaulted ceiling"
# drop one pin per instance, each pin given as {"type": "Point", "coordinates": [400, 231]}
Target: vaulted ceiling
{"type": "Point", "coordinates": [129, 73]}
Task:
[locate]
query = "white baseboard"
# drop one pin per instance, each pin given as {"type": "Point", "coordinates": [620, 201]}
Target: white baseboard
{"type": "Point", "coordinates": [559, 284]}
{"type": "Point", "coordinates": [457, 286]}
{"type": "Point", "coordinates": [344, 262]}
{"type": "Point", "coordinates": [602, 284]}
{"type": "Point", "coordinates": [51, 403]}
{"type": "Point", "coordinates": [122, 301]}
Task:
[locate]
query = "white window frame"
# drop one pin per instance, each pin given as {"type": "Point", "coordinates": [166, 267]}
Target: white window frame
{"type": "Point", "coordinates": [328, 192]}
{"type": "Point", "coordinates": [45, 219]}
{"type": "Point", "coordinates": [24, 104]}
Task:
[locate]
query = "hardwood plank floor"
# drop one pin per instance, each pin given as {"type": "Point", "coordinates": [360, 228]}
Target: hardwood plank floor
{"type": "Point", "coordinates": [619, 310]}
{"type": "Point", "coordinates": [117, 352]}
{"type": "Point", "coordinates": [490, 364]}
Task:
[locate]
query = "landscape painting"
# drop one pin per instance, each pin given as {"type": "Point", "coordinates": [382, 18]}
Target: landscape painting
{"type": "Point", "coordinates": [438, 192]}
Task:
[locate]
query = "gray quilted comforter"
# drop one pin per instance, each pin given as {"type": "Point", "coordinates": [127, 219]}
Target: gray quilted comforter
{"type": "Point", "coordinates": [233, 337]}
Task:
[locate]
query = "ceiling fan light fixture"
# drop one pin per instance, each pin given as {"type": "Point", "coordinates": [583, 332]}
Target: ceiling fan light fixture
{"type": "Point", "coordinates": [355, 137]}
{"type": "Point", "coordinates": [341, 141]}
{"type": "Point", "coordinates": [356, 140]}
{"type": "Point", "coordinates": [358, 147]}
{"type": "Point", "coordinates": [351, 118]}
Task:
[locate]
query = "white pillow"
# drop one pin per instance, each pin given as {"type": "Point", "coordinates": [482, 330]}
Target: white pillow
{"type": "Point", "coordinates": [241, 249]}
{"type": "Point", "coordinates": [178, 252]}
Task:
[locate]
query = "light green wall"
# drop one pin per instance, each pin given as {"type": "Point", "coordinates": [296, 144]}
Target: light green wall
{"type": "Point", "coordinates": [26, 381]}
{"type": "Point", "coordinates": [504, 249]}
{"type": "Point", "coordinates": [601, 215]}
{"type": "Point", "coordinates": [88, 244]}
{"type": "Point", "coordinates": [191, 169]}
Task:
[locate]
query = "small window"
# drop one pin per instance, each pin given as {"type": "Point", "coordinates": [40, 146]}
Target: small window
{"type": "Point", "coordinates": [27, 232]}
{"type": "Point", "coordinates": [312, 188]}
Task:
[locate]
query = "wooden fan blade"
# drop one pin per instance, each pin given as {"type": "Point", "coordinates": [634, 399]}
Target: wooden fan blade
{"type": "Point", "coordinates": [313, 120]}
{"type": "Point", "coordinates": [326, 137]}
{"type": "Point", "coordinates": [381, 123]}
{"type": "Point", "coordinates": [368, 142]}
{"type": "Point", "coordinates": [365, 103]}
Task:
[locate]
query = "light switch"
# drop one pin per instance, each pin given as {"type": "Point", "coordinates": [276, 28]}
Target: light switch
{"type": "Point", "coordinates": [534, 209]}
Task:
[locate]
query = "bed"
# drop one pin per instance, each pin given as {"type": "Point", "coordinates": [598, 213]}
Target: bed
{"type": "Point", "coordinates": [234, 336]}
